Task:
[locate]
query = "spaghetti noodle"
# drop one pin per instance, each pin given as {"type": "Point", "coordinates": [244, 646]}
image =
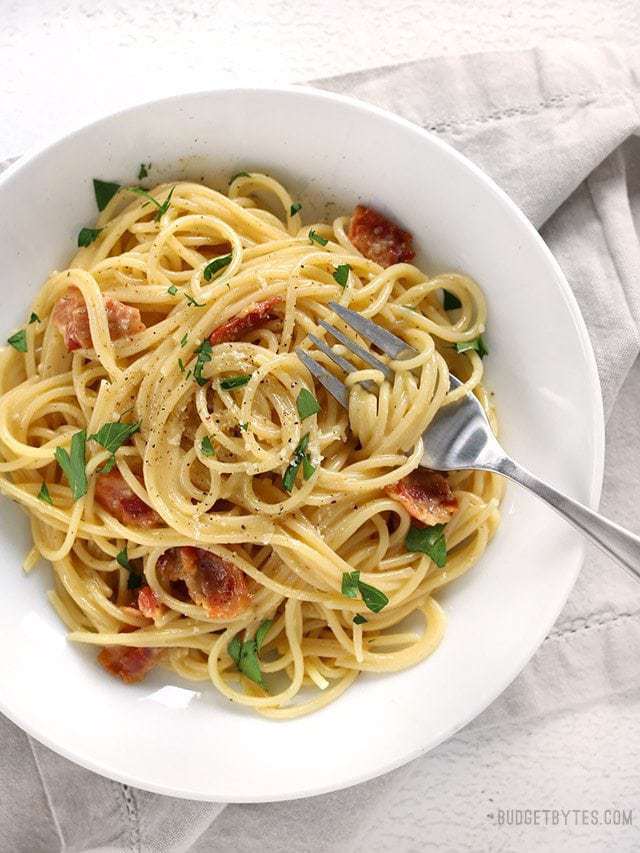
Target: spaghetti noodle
{"type": "Point", "coordinates": [204, 505]}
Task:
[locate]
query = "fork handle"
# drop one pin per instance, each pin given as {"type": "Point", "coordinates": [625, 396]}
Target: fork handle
{"type": "Point", "coordinates": [614, 540]}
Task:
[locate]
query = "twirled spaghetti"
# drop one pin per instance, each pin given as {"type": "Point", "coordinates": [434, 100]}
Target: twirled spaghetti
{"type": "Point", "coordinates": [269, 508]}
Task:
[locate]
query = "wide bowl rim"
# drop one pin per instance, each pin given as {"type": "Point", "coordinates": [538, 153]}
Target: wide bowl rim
{"type": "Point", "coordinates": [24, 162]}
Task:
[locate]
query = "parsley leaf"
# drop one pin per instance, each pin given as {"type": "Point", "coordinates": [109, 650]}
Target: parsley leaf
{"type": "Point", "coordinates": [73, 465]}
{"type": "Point", "coordinates": [429, 541]}
{"type": "Point", "coordinates": [204, 355]}
{"type": "Point", "coordinates": [235, 381]}
{"type": "Point", "coordinates": [172, 290]}
{"type": "Point", "coordinates": [162, 208]}
{"type": "Point", "coordinates": [261, 633]}
{"type": "Point", "coordinates": [143, 171]}
{"type": "Point", "coordinates": [43, 494]}
{"type": "Point", "coordinates": [244, 426]}
{"type": "Point", "coordinates": [316, 238]}
{"type": "Point", "coordinates": [114, 434]}
{"type": "Point", "coordinates": [307, 404]}
{"type": "Point", "coordinates": [476, 344]}
{"type": "Point", "coordinates": [296, 207]}
{"type": "Point", "coordinates": [246, 655]}
{"type": "Point", "coordinates": [206, 447]}
{"type": "Point", "coordinates": [450, 301]}
{"type": "Point", "coordinates": [374, 598]}
{"type": "Point", "coordinates": [184, 338]}
{"type": "Point", "coordinates": [109, 465]}
{"type": "Point", "coordinates": [307, 468]}
{"type": "Point", "coordinates": [181, 364]}
{"type": "Point", "coordinates": [358, 619]}
{"type": "Point", "coordinates": [19, 341]}
{"type": "Point", "coordinates": [135, 579]}
{"type": "Point", "coordinates": [234, 648]}
{"type": "Point", "coordinates": [104, 191]}
{"type": "Point", "coordinates": [350, 584]}
{"type": "Point", "coordinates": [192, 301]}
{"type": "Point", "coordinates": [238, 175]}
{"type": "Point", "coordinates": [215, 265]}
{"type": "Point", "coordinates": [299, 455]}
{"type": "Point", "coordinates": [86, 236]}
{"type": "Point", "coordinates": [34, 318]}
{"type": "Point", "coordinates": [341, 274]}
{"type": "Point", "coordinates": [123, 559]}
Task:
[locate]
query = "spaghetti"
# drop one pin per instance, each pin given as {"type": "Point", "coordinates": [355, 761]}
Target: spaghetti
{"type": "Point", "coordinates": [204, 505]}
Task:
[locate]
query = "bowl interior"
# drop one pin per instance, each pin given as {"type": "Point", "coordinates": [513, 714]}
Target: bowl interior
{"type": "Point", "coordinates": [331, 152]}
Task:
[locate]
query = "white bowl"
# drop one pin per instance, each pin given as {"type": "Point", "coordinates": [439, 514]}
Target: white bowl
{"type": "Point", "coordinates": [169, 736]}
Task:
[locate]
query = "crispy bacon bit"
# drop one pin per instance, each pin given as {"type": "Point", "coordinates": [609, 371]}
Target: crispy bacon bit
{"type": "Point", "coordinates": [130, 663]}
{"type": "Point", "coordinates": [215, 251]}
{"type": "Point", "coordinates": [211, 582]}
{"type": "Point", "coordinates": [114, 494]}
{"type": "Point", "coordinates": [149, 605]}
{"type": "Point", "coordinates": [252, 318]}
{"type": "Point", "coordinates": [71, 319]}
{"type": "Point", "coordinates": [379, 239]}
{"type": "Point", "coordinates": [426, 495]}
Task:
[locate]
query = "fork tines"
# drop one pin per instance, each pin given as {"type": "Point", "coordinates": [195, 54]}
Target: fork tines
{"type": "Point", "coordinates": [384, 340]}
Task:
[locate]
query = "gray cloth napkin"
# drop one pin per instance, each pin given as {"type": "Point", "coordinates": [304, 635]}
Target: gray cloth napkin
{"type": "Point", "coordinates": [556, 128]}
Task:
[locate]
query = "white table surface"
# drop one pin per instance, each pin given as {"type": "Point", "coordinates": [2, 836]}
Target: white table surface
{"type": "Point", "coordinates": [64, 63]}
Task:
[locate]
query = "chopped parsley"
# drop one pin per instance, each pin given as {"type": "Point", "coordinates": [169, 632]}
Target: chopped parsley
{"type": "Point", "coordinates": [296, 207]}
{"type": "Point", "coordinates": [299, 455]}
{"type": "Point", "coordinates": [359, 619]}
{"type": "Point", "coordinates": [450, 301]}
{"type": "Point", "coordinates": [172, 290]}
{"type": "Point", "coordinates": [316, 238]}
{"type": "Point", "coordinates": [143, 171]}
{"type": "Point", "coordinates": [307, 404]}
{"type": "Point", "coordinates": [34, 318]}
{"type": "Point", "coordinates": [204, 355]}
{"type": "Point", "coordinates": [308, 469]}
{"type": "Point", "coordinates": [86, 236]}
{"type": "Point", "coordinates": [184, 338]}
{"type": "Point", "coordinates": [19, 341]}
{"type": "Point", "coordinates": [192, 301]}
{"type": "Point", "coordinates": [162, 208]}
{"type": "Point", "coordinates": [235, 381]}
{"type": "Point", "coordinates": [114, 434]}
{"type": "Point", "coordinates": [215, 265]}
{"type": "Point", "coordinates": [246, 655]}
{"type": "Point", "coordinates": [374, 598]}
{"type": "Point", "coordinates": [43, 494]}
{"type": "Point", "coordinates": [181, 364]}
{"type": "Point", "coordinates": [206, 447]}
{"type": "Point", "coordinates": [104, 192]}
{"type": "Point", "coordinates": [429, 541]}
{"type": "Point", "coordinates": [477, 344]}
{"type": "Point", "coordinates": [341, 274]}
{"type": "Point", "coordinates": [73, 464]}
{"type": "Point", "coordinates": [350, 584]}
{"type": "Point", "coordinates": [123, 559]}
{"type": "Point", "coordinates": [135, 579]}
{"type": "Point", "coordinates": [238, 175]}
{"type": "Point", "coordinates": [244, 426]}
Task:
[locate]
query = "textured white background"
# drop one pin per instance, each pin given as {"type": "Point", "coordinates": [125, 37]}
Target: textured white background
{"type": "Point", "coordinates": [63, 63]}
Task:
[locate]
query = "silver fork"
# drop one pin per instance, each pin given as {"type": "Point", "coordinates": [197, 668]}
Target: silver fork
{"type": "Point", "coordinates": [460, 437]}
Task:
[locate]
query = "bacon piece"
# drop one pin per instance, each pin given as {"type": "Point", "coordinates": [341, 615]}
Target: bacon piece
{"type": "Point", "coordinates": [211, 582]}
{"type": "Point", "coordinates": [379, 239]}
{"type": "Point", "coordinates": [215, 251]}
{"type": "Point", "coordinates": [130, 663]}
{"type": "Point", "coordinates": [71, 319]}
{"type": "Point", "coordinates": [252, 318]}
{"type": "Point", "coordinates": [426, 495]}
{"type": "Point", "coordinates": [149, 605]}
{"type": "Point", "coordinates": [114, 494]}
